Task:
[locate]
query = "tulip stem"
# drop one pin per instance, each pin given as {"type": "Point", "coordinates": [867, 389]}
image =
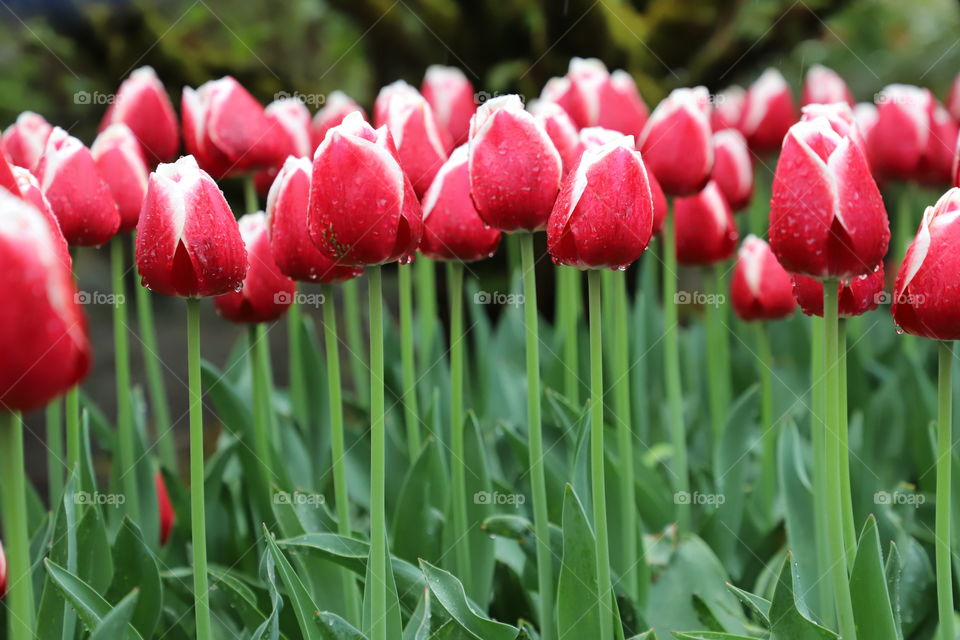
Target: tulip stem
{"type": "Point", "coordinates": [72, 403]}
{"type": "Point", "coordinates": [425, 275]}
{"type": "Point", "coordinates": [768, 463]}
{"type": "Point", "coordinates": [538, 484]}
{"type": "Point", "coordinates": [201, 591]}
{"type": "Point", "coordinates": [818, 433]}
{"type": "Point", "coordinates": [410, 409]}
{"type": "Point", "coordinates": [457, 453]}
{"type": "Point", "coordinates": [261, 436]}
{"type": "Point", "coordinates": [126, 438]}
{"type": "Point", "coordinates": [943, 507]}
{"type": "Point", "coordinates": [298, 383]}
{"type": "Point", "coordinates": [568, 315]}
{"type": "Point", "coordinates": [54, 417]}
{"type": "Point", "coordinates": [833, 443]}
{"type": "Point", "coordinates": [671, 367]}
{"type": "Point", "coordinates": [351, 310]}
{"type": "Point", "coordinates": [20, 601]}
{"type": "Point", "coordinates": [337, 444]}
{"type": "Point", "coordinates": [250, 199]}
{"type": "Point", "coordinates": [604, 605]}
{"type": "Point", "coordinates": [378, 530]}
{"type": "Point", "coordinates": [719, 366]}
{"type": "Point", "coordinates": [849, 528]}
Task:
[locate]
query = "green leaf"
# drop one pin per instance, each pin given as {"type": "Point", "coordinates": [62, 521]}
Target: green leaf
{"type": "Point", "coordinates": [53, 620]}
{"type": "Point", "coordinates": [893, 570]}
{"type": "Point", "coordinates": [394, 622]}
{"type": "Point", "coordinates": [417, 521]}
{"type": "Point", "coordinates": [418, 627]}
{"type": "Point", "coordinates": [115, 623]}
{"type": "Point", "coordinates": [89, 605]}
{"type": "Point", "coordinates": [759, 606]}
{"type": "Point", "coordinates": [303, 605]}
{"type": "Point", "coordinates": [872, 611]}
{"type": "Point", "coordinates": [578, 614]}
{"type": "Point", "coordinates": [707, 635]}
{"type": "Point", "coordinates": [451, 596]}
{"type": "Point", "coordinates": [333, 627]}
{"type": "Point", "coordinates": [136, 568]}
{"type": "Point", "coordinates": [788, 621]}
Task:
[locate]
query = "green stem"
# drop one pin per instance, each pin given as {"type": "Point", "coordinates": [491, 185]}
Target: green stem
{"type": "Point", "coordinates": [54, 418]}
{"type": "Point", "coordinates": [818, 435]}
{"type": "Point", "coordinates": [944, 459]}
{"type": "Point", "coordinates": [126, 438]}
{"type": "Point", "coordinates": [568, 316]}
{"type": "Point", "coordinates": [849, 526]}
{"type": "Point", "coordinates": [905, 227]}
{"type": "Point", "coordinates": [768, 464]}
{"type": "Point", "coordinates": [538, 483]}
{"type": "Point", "coordinates": [457, 452]}
{"type": "Point", "coordinates": [378, 527]}
{"type": "Point", "coordinates": [838, 557]}
{"type": "Point", "coordinates": [604, 605]}
{"type": "Point", "coordinates": [719, 368]}
{"type": "Point", "coordinates": [425, 275]}
{"type": "Point", "coordinates": [298, 383]}
{"type": "Point", "coordinates": [410, 409]}
{"type": "Point", "coordinates": [261, 430]}
{"type": "Point", "coordinates": [19, 597]}
{"type": "Point", "coordinates": [671, 367]}
{"type": "Point", "coordinates": [514, 260]}
{"type": "Point", "coordinates": [250, 199]}
{"type": "Point", "coordinates": [351, 310]}
{"type": "Point", "coordinates": [72, 404]}
{"type": "Point", "coordinates": [197, 507]}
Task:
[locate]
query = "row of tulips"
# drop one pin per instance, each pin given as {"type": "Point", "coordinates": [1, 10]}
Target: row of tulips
{"type": "Point", "coordinates": [587, 163]}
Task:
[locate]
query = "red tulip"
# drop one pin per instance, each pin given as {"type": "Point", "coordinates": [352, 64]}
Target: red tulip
{"type": "Point", "coordinates": [857, 295]}
{"type": "Point", "coordinates": [227, 130]}
{"type": "Point", "coordinates": [167, 516]}
{"type": "Point", "coordinates": [865, 114]}
{"type": "Point", "coordinates": [78, 195]}
{"type": "Point", "coordinates": [143, 105]}
{"type": "Point", "coordinates": [927, 291]}
{"type": "Point", "coordinates": [3, 572]}
{"type": "Point", "coordinates": [603, 216]}
{"type": "Point", "coordinates": [452, 99]}
{"type": "Point", "coordinates": [727, 108]}
{"type": "Point", "coordinates": [188, 243]}
{"type": "Point", "coordinates": [822, 85]}
{"type": "Point", "coordinates": [594, 97]}
{"type": "Point", "coordinates": [121, 164]}
{"type": "Point", "coordinates": [706, 232]}
{"type": "Point", "coordinates": [515, 168]}
{"type": "Point", "coordinates": [7, 179]}
{"type": "Point", "coordinates": [676, 143]}
{"type": "Point", "coordinates": [659, 203]}
{"type": "Point", "coordinates": [826, 215]}
{"type": "Point", "coordinates": [43, 333]}
{"type": "Point", "coordinates": [562, 92]}
{"type": "Point", "coordinates": [337, 107]}
{"type": "Point", "coordinates": [733, 168]}
{"type": "Point", "coordinates": [562, 131]}
{"type": "Point", "coordinates": [842, 120]}
{"type": "Point", "coordinates": [767, 112]}
{"type": "Point", "coordinates": [953, 99]}
{"type": "Point", "coordinates": [292, 124]}
{"type": "Point", "coordinates": [25, 140]}
{"type": "Point", "coordinates": [598, 136]}
{"type": "Point", "coordinates": [294, 253]}
{"type": "Point", "coordinates": [363, 210]}
{"type": "Point", "coordinates": [452, 228]}
{"type": "Point", "coordinates": [422, 146]}
{"type": "Point", "coordinates": [760, 289]}
{"type": "Point", "coordinates": [266, 292]}
{"type": "Point", "coordinates": [28, 188]}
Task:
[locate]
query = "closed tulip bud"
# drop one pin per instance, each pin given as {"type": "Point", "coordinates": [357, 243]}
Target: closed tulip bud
{"type": "Point", "coordinates": [78, 195]}
{"type": "Point", "coordinates": [25, 140]}
{"type": "Point", "coordinates": [515, 169]}
{"type": "Point", "coordinates": [566, 95]}
{"type": "Point", "coordinates": [598, 136]}
{"type": "Point", "coordinates": [768, 111]}
{"type": "Point", "coordinates": [727, 108]}
{"type": "Point", "coordinates": [363, 210]}
{"type": "Point", "coordinates": [7, 179]}
{"type": "Point", "coordinates": [706, 232]}
{"type": "Point", "coordinates": [143, 105]}
{"type": "Point", "coordinates": [857, 295]}
{"type": "Point", "coordinates": [422, 146]}
{"type": "Point", "coordinates": [733, 168]}
{"type": "Point", "coordinates": [292, 124]}
{"type": "Point", "coordinates": [266, 292]}
{"type": "Point", "coordinates": [164, 508]}
{"type": "Point", "coordinates": [936, 165]}
{"type": "Point", "coordinates": [227, 130]}
{"type": "Point", "coordinates": [452, 228]}
{"type": "Point", "coordinates": [3, 573]}
{"type": "Point", "coordinates": [760, 288]}
{"type": "Point", "coordinates": [452, 99]}
{"type": "Point", "coordinates": [826, 215]}
{"type": "Point", "coordinates": [293, 251]}
{"type": "Point", "coordinates": [43, 334]}
{"type": "Point", "coordinates": [603, 217]}
{"type": "Point", "coordinates": [823, 85]}
{"type": "Point", "coordinates": [188, 243]}
{"type": "Point", "coordinates": [841, 118]}
{"type": "Point", "coordinates": [659, 203]}
{"type": "Point", "coordinates": [122, 166]}
{"type": "Point", "coordinates": [926, 290]}
{"type": "Point", "coordinates": [865, 115]}
{"type": "Point", "coordinates": [676, 143]}
{"type": "Point", "coordinates": [562, 131]}
{"type": "Point", "coordinates": [337, 107]}
{"type": "Point", "coordinates": [594, 97]}
{"type": "Point", "coordinates": [29, 189]}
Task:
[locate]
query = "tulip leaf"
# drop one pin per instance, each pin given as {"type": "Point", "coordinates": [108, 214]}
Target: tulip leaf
{"type": "Point", "coordinates": [394, 621]}
{"type": "Point", "coordinates": [759, 606]}
{"type": "Point", "coordinates": [418, 627]}
{"type": "Point", "coordinates": [136, 568]}
{"type": "Point", "coordinates": [269, 629]}
{"type": "Point", "coordinates": [788, 617]}
{"type": "Point", "coordinates": [115, 623]}
{"type": "Point", "coordinates": [872, 609]}
{"type": "Point", "coordinates": [417, 521]}
{"type": "Point", "coordinates": [53, 620]}
{"type": "Point", "coordinates": [333, 627]}
{"type": "Point", "coordinates": [303, 605]}
{"type": "Point", "coordinates": [89, 605]}
{"type": "Point", "coordinates": [451, 596]}
{"type": "Point", "coordinates": [707, 635]}
{"type": "Point", "coordinates": [578, 612]}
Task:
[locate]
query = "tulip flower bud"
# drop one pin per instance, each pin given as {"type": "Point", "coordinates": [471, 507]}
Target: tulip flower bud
{"type": "Point", "coordinates": [562, 131]}
{"type": "Point", "coordinates": [452, 99]}
{"type": "Point", "coordinates": [165, 509]}
{"type": "Point", "coordinates": [768, 111]}
{"type": "Point", "coordinates": [337, 107]}
{"type": "Point", "coordinates": [925, 293]}
{"type": "Point", "coordinates": [294, 253]}
{"type": "Point", "coordinates": [563, 93]}
{"type": "Point", "coordinates": [3, 572]}
{"type": "Point", "coordinates": [865, 115]}
{"type": "Point", "coordinates": [706, 232]}
{"type": "Point", "coordinates": [7, 179]}
{"type": "Point", "coordinates": [421, 145]}
{"type": "Point", "coordinates": [25, 140]}
{"type": "Point", "coordinates": [659, 204]}
{"type": "Point", "coordinates": [733, 168]}
{"type": "Point", "coordinates": [43, 334]}
{"type": "Point", "coordinates": [28, 188]}
{"type": "Point", "coordinates": [841, 118]}
{"type": "Point", "coordinates": [515, 168]}
{"type": "Point", "coordinates": [826, 215]}
{"type": "Point", "coordinates": [363, 210]}
{"type": "Point", "coordinates": [452, 228]}
{"type": "Point", "coordinates": [598, 136]}
{"type": "Point", "coordinates": [188, 243]}
{"type": "Point", "coordinates": [121, 164]}
{"type": "Point", "coordinates": [594, 97]}
{"type": "Point", "coordinates": [676, 143]}
{"type": "Point", "coordinates": [292, 123]}
{"type": "Point", "coordinates": [822, 85]}
{"type": "Point", "coordinates": [727, 108]}
{"type": "Point", "coordinates": [266, 292]}
{"type": "Point", "coordinates": [857, 295]}
{"type": "Point", "coordinates": [760, 288]}
{"type": "Point", "coordinates": [143, 105]}
{"type": "Point", "coordinates": [603, 216]}
{"type": "Point", "coordinates": [79, 197]}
